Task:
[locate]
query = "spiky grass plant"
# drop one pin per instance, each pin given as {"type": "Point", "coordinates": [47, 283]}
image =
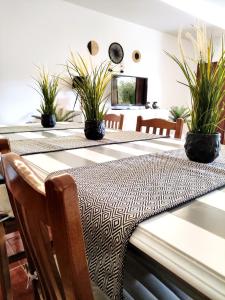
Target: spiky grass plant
{"type": "Point", "coordinates": [47, 87]}
{"type": "Point", "coordinates": [179, 112]}
{"type": "Point", "coordinates": [62, 115]}
{"type": "Point", "coordinates": [206, 83]}
{"type": "Point", "coordinates": [90, 83]}
{"type": "Point", "coordinates": [65, 116]}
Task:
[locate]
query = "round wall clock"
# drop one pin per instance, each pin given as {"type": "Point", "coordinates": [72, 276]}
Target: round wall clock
{"type": "Point", "coordinates": [116, 53]}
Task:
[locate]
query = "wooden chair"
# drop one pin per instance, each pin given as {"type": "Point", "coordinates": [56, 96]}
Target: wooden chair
{"type": "Point", "coordinates": [8, 225]}
{"type": "Point", "coordinates": [114, 121]}
{"type": "Point", "coordinates": [4, 148]}
{"type": "Point", "coordinates": [161, 124]}
{"type": "Point", "coordinates": [49, 219]}
{"type": "Point", "coordinates": [5, 291]}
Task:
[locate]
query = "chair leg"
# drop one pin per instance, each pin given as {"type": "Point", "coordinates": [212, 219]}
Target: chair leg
{"type": "Point", "coordinates": [5, 286]}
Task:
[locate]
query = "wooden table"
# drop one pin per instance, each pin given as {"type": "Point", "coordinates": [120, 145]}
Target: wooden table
{"type": "Point", "coordinates": [188, 241]}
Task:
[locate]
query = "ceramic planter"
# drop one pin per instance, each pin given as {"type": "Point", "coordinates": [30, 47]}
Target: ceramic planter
{"type": "Point", "coordinates": [203, 148]}
{"type": "Point", "coordinates": [94, 130]}
{"type": "Point", "coordinates": [48, 120]}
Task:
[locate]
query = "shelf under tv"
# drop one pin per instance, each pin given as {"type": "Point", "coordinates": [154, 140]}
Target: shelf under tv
{"type": "Point", "coordinates": [131, 107]}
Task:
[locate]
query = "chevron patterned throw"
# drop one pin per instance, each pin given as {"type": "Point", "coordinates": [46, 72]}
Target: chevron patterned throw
{"type": "Point", "coordinates": [78, 140]}
{"type": "Point", "coordinates": [33, 127]}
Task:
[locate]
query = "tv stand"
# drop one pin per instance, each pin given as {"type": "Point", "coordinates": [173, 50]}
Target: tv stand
{"type": "Point", "coordinates": [130, 115]}
{"type": "Point", "coordinates": [127, 107]}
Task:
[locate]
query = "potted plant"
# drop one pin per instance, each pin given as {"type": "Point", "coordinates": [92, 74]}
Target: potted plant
{"type": "Point", "coordinates": [47, 87]}
{"type": "Point", "coordinates": [206, 84]}
{"type": "Point", "coordinates": [90, 84]}
{"type": "Point", "coordinates": [177, 112]}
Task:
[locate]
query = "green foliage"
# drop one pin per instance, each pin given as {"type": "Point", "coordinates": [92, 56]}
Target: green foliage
{"type": "Point", "coordinates": [207, 89]}
{"type": "Point", "coordinates": [47, 87]}
{"type": "Point", "coordinates": [61, 115]}
{"type": "Point", "coordinates": [179, 112]}
{"type": "Point", "coordinates": [126, 91]}
{"type": "Point", "coordinates": [90, 86]}
{"type": "Point", "coordinates": [65, 116]}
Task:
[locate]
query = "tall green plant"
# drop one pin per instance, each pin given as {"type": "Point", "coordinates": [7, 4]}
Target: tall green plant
{"type": "Point", "coordinates": [47, 87]}
{"type": "Point", "coordinates": [90, 84]}
{"type": "Point", "coordinates": [206, 84]}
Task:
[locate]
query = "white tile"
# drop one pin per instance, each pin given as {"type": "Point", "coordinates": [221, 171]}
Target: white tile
{"type": "Point", "coordinates": [91, 155]}
{"type": "Point", "coordinates": [129, 150]}
{"type": "Point", "coordinates": [151, 144]}
{"type": "Point", "coordinates": [31, 135]}
{"type": "Point", "coordinates": [215, 199]}
{"type": "Point", "coordinates": [197, 243]}
{"type": "Point", "coordinates": [46, 163]}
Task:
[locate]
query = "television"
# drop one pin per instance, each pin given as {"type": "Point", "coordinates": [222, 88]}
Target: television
{"type": "Point", "coordinates": [128, 92]}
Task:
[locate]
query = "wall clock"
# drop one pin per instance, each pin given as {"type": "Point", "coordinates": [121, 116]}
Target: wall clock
{"type": "Point", "coordinates": [116, 53]}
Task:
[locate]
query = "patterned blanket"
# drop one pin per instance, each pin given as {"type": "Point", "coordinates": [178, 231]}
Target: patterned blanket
{"type": "Point", "coordinates": [78, 140]}
{"type": "Point", "coordinates": [38, 127]}
{"type": "Point", "coordinates": [116, 196]}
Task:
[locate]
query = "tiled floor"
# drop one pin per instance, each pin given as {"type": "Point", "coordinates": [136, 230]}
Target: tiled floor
{"type": "Point", "coordinates": [17, 272]}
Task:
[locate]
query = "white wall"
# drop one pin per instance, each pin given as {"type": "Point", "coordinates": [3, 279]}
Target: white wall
{"type": "Point", "coordinates": [42, 32]}
{"type": "Point", "coordinates": [217, 47]}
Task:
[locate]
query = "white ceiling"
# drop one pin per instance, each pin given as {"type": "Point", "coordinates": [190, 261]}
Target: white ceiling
{"type": "Point", "coordinates": [162, 15]}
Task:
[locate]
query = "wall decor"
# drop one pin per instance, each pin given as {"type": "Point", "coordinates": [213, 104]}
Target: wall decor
{"type": "Point", "coordinates": [93, 47]}
{"type": "Point", "coordinates": [136, 56]}
{"type": "Point", "coordinates": [116, 53]}
{"type": "Point", "coordinates": [155, 105]}
{"type": "Point", "coordinates": [148, 105]}
{"type": "Point", "coordinates": [121, 68]}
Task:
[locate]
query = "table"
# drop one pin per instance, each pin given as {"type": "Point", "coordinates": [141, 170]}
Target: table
{"type": "Point", "coordinates": [189, 241]}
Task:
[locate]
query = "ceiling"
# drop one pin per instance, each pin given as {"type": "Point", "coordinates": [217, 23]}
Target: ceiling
{"type": "Point", "coordinates": [163, 15]}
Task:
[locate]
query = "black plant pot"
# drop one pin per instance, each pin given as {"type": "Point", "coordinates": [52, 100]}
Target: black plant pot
{"type": "Point", "coordinates": [48, 121]}
{"type": "Point", "coordinates": [94, 130]}
{"type": "Point", "coordinates": [203, 148]}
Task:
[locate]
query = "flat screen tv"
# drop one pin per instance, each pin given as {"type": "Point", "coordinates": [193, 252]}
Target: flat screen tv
{"type": "Point", "coordinates": [128, 91]}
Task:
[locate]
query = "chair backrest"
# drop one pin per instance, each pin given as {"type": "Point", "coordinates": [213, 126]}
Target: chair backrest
{"type": "Point", "coordinates": [4, 146]}
{"type": "Point", "coordinates": [161, 124]}
{"type": "Point", "coordinates": [114, 121]}
{"type": "Point", "coordinates": [49, 219]}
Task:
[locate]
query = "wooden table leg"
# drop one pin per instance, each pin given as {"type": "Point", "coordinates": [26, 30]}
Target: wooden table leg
{"type": "Point", "coordinates": [5, 287]}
